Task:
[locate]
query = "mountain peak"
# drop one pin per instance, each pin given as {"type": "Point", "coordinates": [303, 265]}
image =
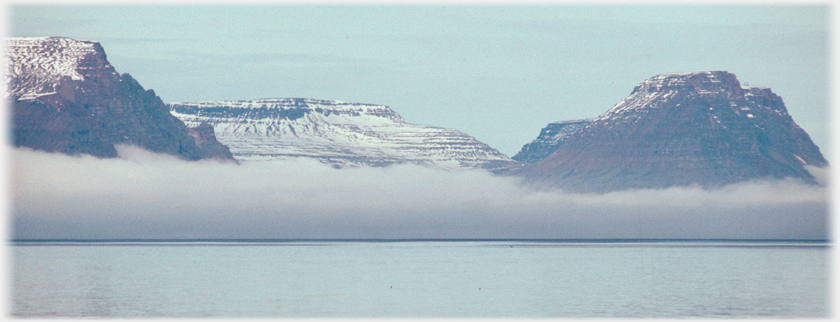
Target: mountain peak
{"type": "Point", "coordinates": [36, 65]}
{"type": "Point", "coordinates": [663, 87]}
{"type": "Point", "coordinates": [66, 97]}
{"type": "Point", "coordinates": [677, 129]}
{"type": "Point", "coordinates": [705, 81]}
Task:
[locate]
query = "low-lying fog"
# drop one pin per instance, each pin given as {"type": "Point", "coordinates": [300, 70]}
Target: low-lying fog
{"type": "Point", "coordinates": [147, 195]}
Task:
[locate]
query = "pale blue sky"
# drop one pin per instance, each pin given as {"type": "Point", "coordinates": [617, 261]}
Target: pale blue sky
{"type": "Point", "coordinates": [497, 73]}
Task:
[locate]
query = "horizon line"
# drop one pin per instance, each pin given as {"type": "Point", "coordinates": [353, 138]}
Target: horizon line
{"type": "Point", "coordinates": [275, 240]}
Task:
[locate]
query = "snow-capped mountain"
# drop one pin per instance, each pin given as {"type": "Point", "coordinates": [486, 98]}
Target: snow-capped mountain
{"type": "Point", "coordinates": [549, 139]}
{"type": "Point", "coordinates": [336, 133]}
{"type": "Point", "coordinates": [66, 97]}
{"type": "Point", "coordinates": [36, 65]}
{"type": "Point", "coordinates": [681, 129]}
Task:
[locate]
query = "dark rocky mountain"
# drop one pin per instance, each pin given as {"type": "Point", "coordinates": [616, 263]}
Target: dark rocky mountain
{"type": "Point", "coordinates": [551, 137]}
{"type": "Point", "coordinates": [682, 129]}
{"type": "Point", "coordinates": [67, 98]}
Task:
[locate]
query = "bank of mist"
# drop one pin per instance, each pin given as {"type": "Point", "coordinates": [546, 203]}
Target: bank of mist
{"type": "Point", "coordinates": [147, 195]}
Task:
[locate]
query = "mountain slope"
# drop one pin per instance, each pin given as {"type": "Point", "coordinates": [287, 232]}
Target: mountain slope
{"type": "Point", "coordinates": [336, 133]}
{"type": "Point", "coordinates": [551, 137]}
{"type": "Point", "coordinates": [682, 129]}
{"type": "Point", "coordinates": [67, 98]}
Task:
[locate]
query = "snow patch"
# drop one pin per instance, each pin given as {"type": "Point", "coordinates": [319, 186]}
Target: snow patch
{"type": "Point", "coordinates": [37, 64]}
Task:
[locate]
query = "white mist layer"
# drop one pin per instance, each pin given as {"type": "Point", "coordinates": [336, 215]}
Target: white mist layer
{"type": "Point", "coordinates": [147, 195]}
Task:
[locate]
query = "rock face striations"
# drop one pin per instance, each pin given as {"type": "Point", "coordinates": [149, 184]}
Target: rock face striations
{"type": "Point", "coordinates": [682, 129]}
{"type": "Point", "coordinates": [336, 133]}
{"type": "Point", "coordinates": [67, 98]}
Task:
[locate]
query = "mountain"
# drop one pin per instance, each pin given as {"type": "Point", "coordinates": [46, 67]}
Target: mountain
{"type": "Point", "coordinates": [336, 133]}
{"type": "Point", "coordinates": [682, 129]}
{"type": "Point", "coordinates": [551, 137]}
{"type": "Point", "coordinates": [66, 97]}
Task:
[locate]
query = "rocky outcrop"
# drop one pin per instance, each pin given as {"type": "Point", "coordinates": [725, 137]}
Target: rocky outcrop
{"type": "Point", "coordinates": [336, 133]}
{"type": "Point", "coordinates": [67, 98]}
{"type": "Point", "coordinates": [682, 129]}
{"type": "Point", "coordinates": [550, 138]}
{"type": "Point", "coordinates": [210, 148]}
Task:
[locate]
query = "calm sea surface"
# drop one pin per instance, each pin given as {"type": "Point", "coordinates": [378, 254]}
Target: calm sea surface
{"type": "Point", "coordinates": [420, 279]}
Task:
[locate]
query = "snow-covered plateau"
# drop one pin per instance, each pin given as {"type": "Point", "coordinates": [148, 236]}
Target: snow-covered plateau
{"type": "Point", "coordinates": [334, 132]}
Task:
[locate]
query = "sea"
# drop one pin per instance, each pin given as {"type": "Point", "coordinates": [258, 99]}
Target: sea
{"type": "Point", "coordinates": [419, 279]}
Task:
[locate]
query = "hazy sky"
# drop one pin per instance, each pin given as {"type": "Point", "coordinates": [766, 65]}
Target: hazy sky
{"type": "Point", "coordinates": [498, 73]}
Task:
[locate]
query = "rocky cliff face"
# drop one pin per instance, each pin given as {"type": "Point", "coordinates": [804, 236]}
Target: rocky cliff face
{"type": "Point", "coordinates": [337, 133]}
{"type": "Point", "coordinates": [550, 138]}
{"type": "Point", "coordinates": [682, 129]}
{"type": "Point", "coordinates": [67, 98]}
